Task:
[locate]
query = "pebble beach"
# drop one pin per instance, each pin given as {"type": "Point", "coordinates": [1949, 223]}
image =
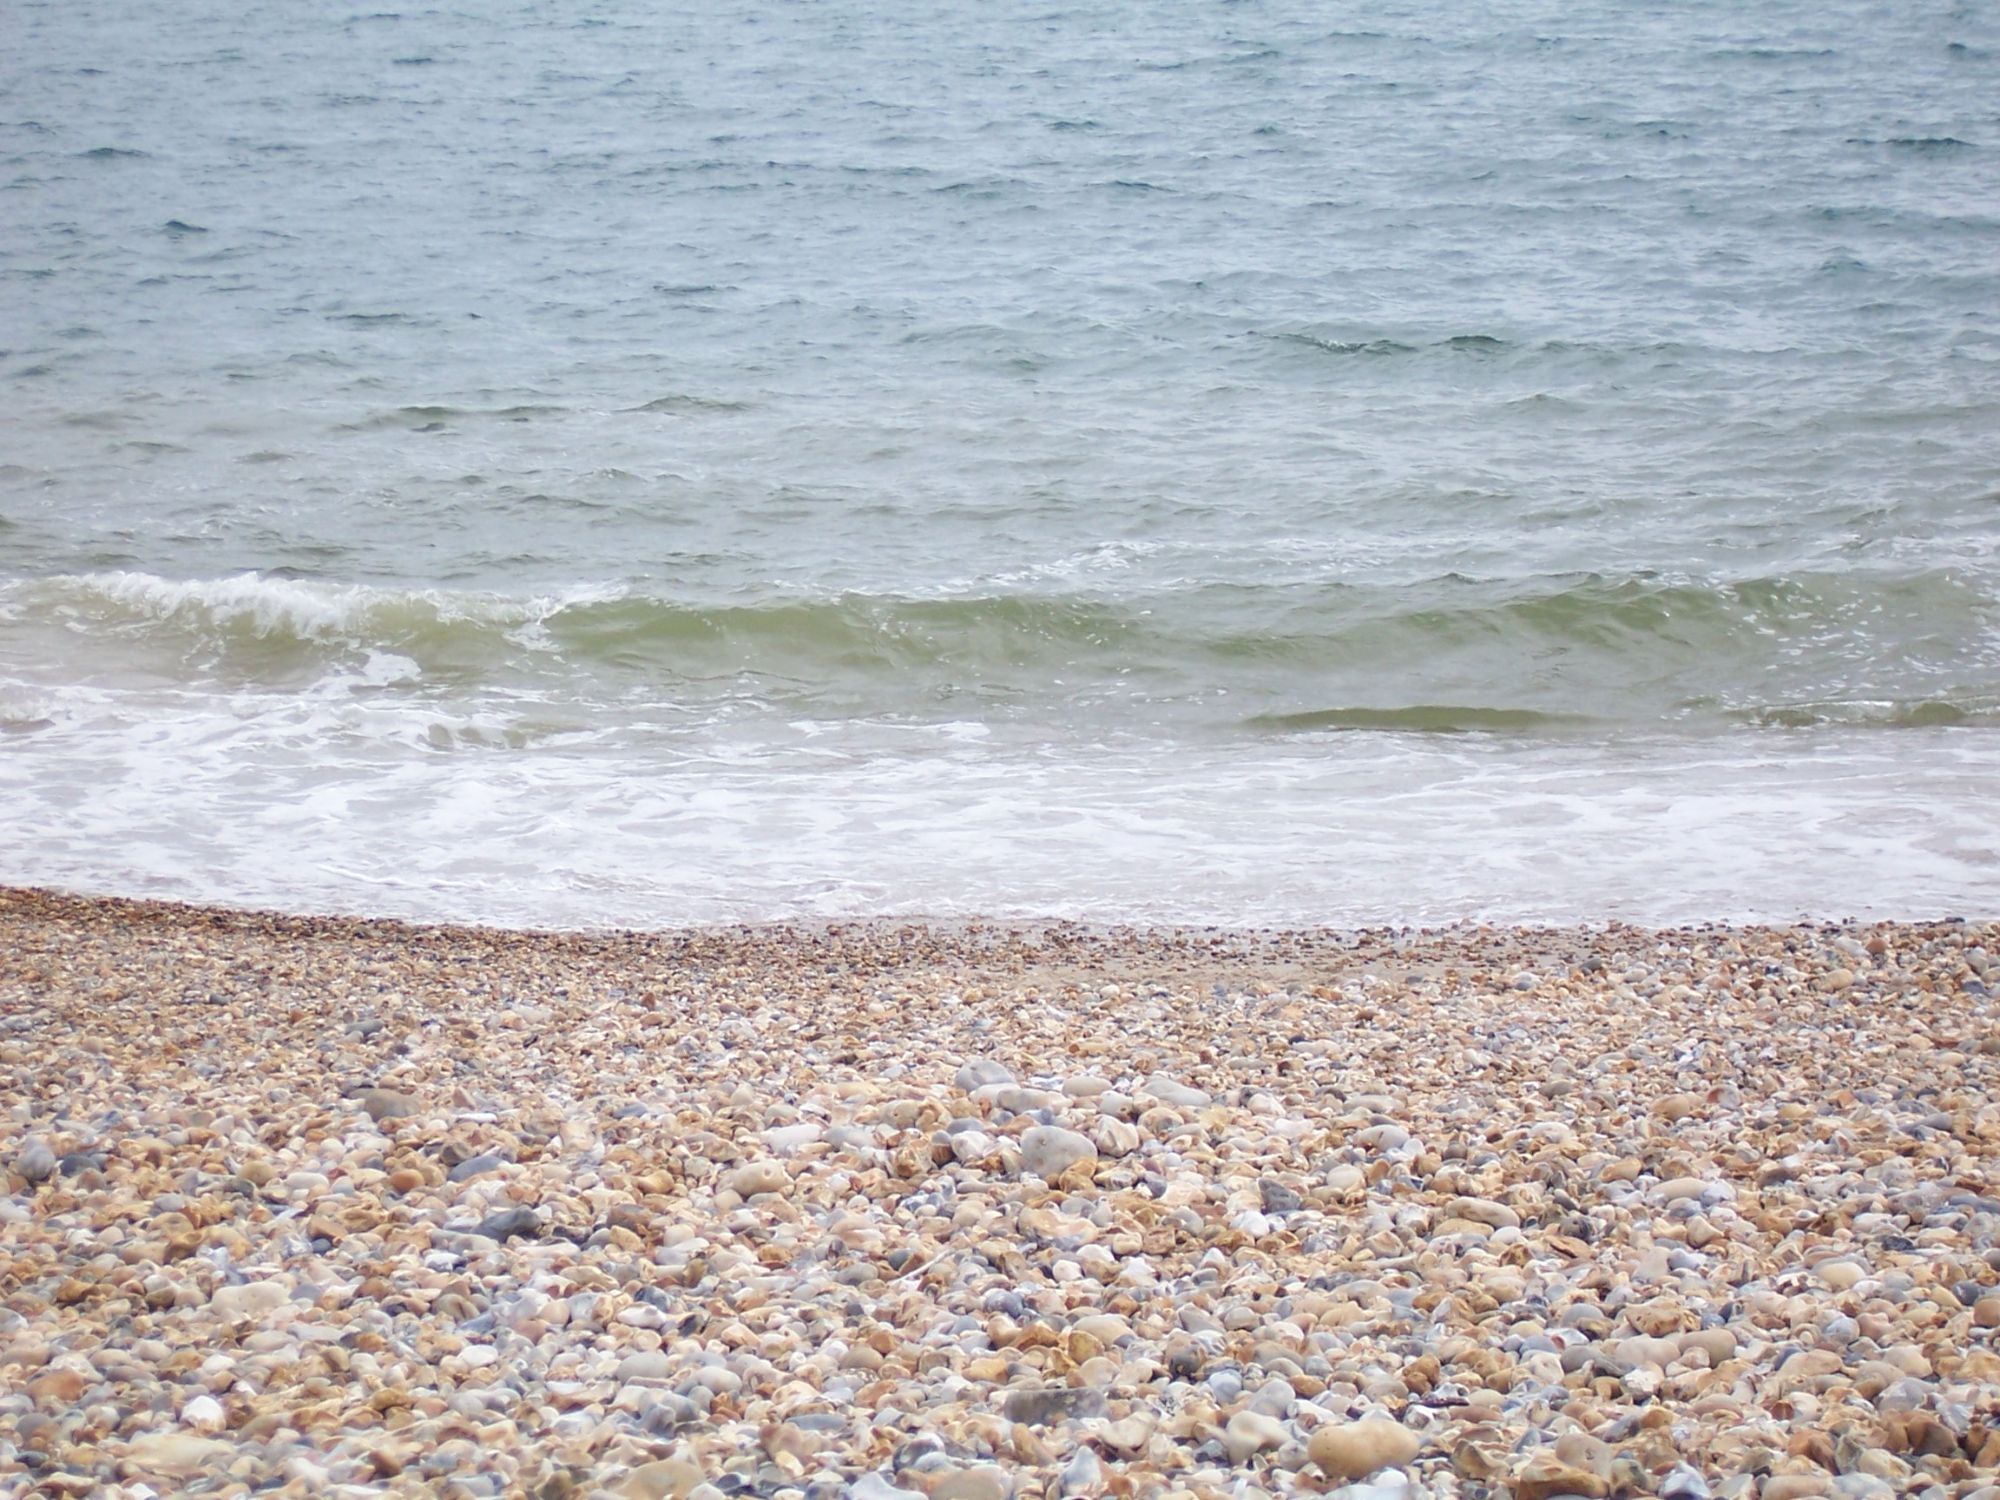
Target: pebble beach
{"type": "Point", "coordinates": [314, 1206]}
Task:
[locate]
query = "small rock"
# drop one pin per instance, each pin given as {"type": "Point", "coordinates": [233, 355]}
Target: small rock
{"type": "Point", "coordinates": [663, 1479]}
{"type": "Point", "coordinates": [1484, 1211]}
{"type": "Point", "coordinates": [978, 1482]}
{"type": "Point", "coordinates": [758, 1177]}
{"type": "Point", "coordinates": [35, 1161]}
{"type": "Point", "coordinates": [176, 1453]}
{"type": "Point", "coordinates": [58, 1388]}
{"type": "Point", "coordinates": [1545, 1476]}
{"type": "Point", "coordinates": [510, 1223]}
{"type": "Point", "coordinates": [1277, 1198]}
{"type": "Point", "coordinates": [1354, 1450]}
{"type": "Point", "coordinates": [875, 1487]}
{"type": "Point", "coordinates": [1041, 1408]}
{"type": "Point", "coordinates": [255, 1299]}
{"type": "Point", "coordinates": [1250, 1433]}
{"type": "Point", "coordinates": [477, 1166]}
{"type": "Point", "coordinates": [979, 1073]}
{"type": "Point", "coordinates": [1126, 1438]}
{"type": "Point", "coordinates": [203, 1414]}
{"type": "Point", "coordinates": [1082, 1475]}
{"type": "Point", "coordinates": [649, 1364]}
{"type": "Point", "coordinates": [1170, 1090]}
{"type": "Point", "coordinates": [386, 1104]}
{"type": "Point", "coordinates": [1047, 1151]}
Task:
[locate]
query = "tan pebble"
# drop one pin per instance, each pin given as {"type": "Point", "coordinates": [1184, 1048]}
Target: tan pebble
{"type": "Point", "coordinates": [176, 1453]}
{"type": "Point", "coordinates": [1920, 1433]}
{"type": "Point", "coordinates": [1795, 1486]}
{"type": "Point", "coordinates": [406, 1179]}
{"type": "Point", "coordinates": [1129, 1437]}
{"type": "Point", "coordinates": [253, 1299]}
{"type": "Point", "coordinates": [1675, 1107]}
{"type": "Point", "coordinates": [1354, 1450]}
{"type": "Point", "coordinates": [1836, 980]}
{"type": "Point", "coordinates": [758, 1177]}
{"type": "Point", "coordinates": [663, 1479]}
{"type": "Point", "coordinates": [1815, 1446]}
{"type": "Point", "coordinates": [58, 1388]}
{"type": "Point", "coordinates": [1249, 1433]}
{"type": "Point", "coordinates": [1545, 1475]}
{"type": "Point", "coordinates": [1484, 1211]}
{"type": "Point", "coordinates": [1048, 1151]}
{"type": "Point", "coordinates": [1841, 1275]}
{"type": "Point", "coordinates": [1474, 1462]}
{"type": "Point", "coordinates": [1718, 1344]}
{"type": "Point", "coordinates": [979, 1482]}
{"type": "Point", "coordinates": [1676, 1188]}
{"type": "Point", "coordinates": [1986, 1311]}
{"type": "Point", "coordinates": [1581, 1451]}
{"type": "Point", "coordinates": [386, 1104]}
{"type": "Point", "coordinates": [1027, 1447]}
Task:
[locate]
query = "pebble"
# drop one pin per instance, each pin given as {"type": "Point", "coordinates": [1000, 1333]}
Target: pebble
{"type": "Point", "coordinates": [1038, 1408]}
{"type": "Point", "coordinates": [1249, 1433]}
{"type": "Point", "coordinates": [510, 1223]}
{"type": "Point", "coordinates": [35, 1161]}
{"type": "Point", "coordinates": [1354, 1450]}
{"type": "Point", "coordinates": [1047, 1151]}
{"type": "Point", "coordinates": [908, 1213]}
{"type": "Point", "coordinates": [758, 1177]}
{"type": "Point", "coordinates": [386, 1104]}
{"type": "Point", "coordinates": [254, 1299]}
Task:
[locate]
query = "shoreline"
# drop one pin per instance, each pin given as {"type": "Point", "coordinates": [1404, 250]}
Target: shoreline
{"type": "Point", "coordinates": [148, 907]}
{"type": "Point", "coordinates": [897, 1211]}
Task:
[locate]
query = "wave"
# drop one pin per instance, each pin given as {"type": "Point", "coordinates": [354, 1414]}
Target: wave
{"type": "Point", "coordinates": [1458, 343]}
{"type": "Point", "coordinates": [1542, 655]}
{"type": "Point", "coordinates": [1419, 718]}
{"type": "Point", "coordinates": [1925, 713]}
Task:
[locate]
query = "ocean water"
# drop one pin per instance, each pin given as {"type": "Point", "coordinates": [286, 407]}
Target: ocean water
{"type": "Point", "coordinates": [1256, 462]}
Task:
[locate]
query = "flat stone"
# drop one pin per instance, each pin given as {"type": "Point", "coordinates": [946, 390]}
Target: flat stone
{"type": "Point", "coordinates": [386, 1104]}
{"type": "Point", "coordinates": [1047, 1151]}
{"type": "Point", "coordinates": [1042, 1408]}
{"type": "Point", "coordinates": [253, 1299]}
{"type": "Point", "coordinates": [1484, 1211]}
{"type": "Point", "coordinates": [35, 1161]}
{"type": "Point", "coordinates": [477, 1166]}
{"type": "Point", "coordinates": [176, 1453]}
{"type": "Point", "coordinates": [510, 1223]}
{"type": "Point", "coordinates": [758, 1177]}
{"type": "Point", "coordinates": [662, 1479]}
{"type": "Point", "coordinates": [1249, 1433]}
{"type": "Point", "coordinates": [645, 1365]}
{"type": "Point", "coordinates": [1354, 1450]}
{"type": "Point", "coordinates": [978, 1073]}
{"type": "Point", "coordinates": [978, 1482]}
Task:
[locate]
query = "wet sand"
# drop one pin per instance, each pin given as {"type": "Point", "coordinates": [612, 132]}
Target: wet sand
{"type": "Point", "coordinates": [317, 1206]}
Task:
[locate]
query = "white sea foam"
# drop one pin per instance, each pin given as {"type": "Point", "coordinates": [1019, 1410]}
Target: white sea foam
{"type": "Point", "coordinates": [315, 807]}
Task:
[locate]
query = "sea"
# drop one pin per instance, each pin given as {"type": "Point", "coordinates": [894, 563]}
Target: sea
{"type": "Point", "coordinates": [1214, 462]}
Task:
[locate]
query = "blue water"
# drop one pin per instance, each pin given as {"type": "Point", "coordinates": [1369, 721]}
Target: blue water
{"type": "Point", "coordinates": [1246, 462]}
